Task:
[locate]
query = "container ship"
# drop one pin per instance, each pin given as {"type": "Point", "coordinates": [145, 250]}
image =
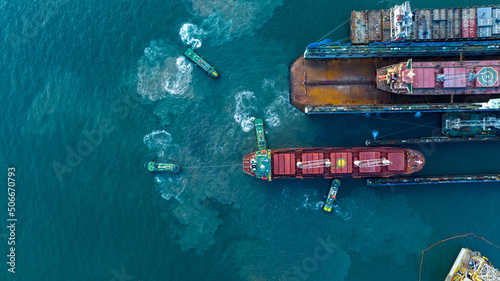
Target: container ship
{"type": "Point", "coordinates": [331, 78]}
{"type": "Point", "coordinates": [401, 23]}
{"type": "Point", "coordinates": [354, 162]}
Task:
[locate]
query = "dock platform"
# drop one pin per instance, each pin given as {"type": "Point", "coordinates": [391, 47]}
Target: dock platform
{"type": "Point", "coordinates": [432, 180]}
{"type": "Point", "coordinates": [348, 86]}
{"type": "Point", "coordinates": [370, 142]}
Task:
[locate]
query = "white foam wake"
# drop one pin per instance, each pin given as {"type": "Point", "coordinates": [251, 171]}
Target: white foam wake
{"type": "Point", "coordinates": [157, 140]}
{"type": "Point", "coordinates": [347, 213]}
{"type": "Point", "coordinates": [244, 109]}
{"type": "Point", "coordinates": [280, 108]}
{"type": "Point", "coordinates": [161, 73]}
{"type": "Point", "coordinates": [191, 35]}
{"type": "Point", "coordinates": [173, 186]}
{"type": "Point", "coordinates": [180, 82]}
{"type": "Point", "coordinates": [212, 27]}
{"type": "Point", "coordinates": [230, 19]}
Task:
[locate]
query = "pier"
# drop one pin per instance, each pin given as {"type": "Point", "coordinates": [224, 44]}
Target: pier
{"type": "Point", "coordinates": [347, 86]}
{"type": "Point", "coordinates": [432, 180]}
{"type": "Point", "coordinates": [370, 142]}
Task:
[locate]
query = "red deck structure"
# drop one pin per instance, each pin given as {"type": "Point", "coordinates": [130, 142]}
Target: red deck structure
{"type": "Point", "coordinates": [440, 78]}
{"type": "Point", "coordinates": [333, 162]}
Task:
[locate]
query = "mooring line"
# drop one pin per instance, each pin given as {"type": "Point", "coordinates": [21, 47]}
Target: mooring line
{"type": "Point", "coordinates": [333, 30]}
{"type": "Point", "coordinates": [403, 122]}
{"type": "Point", "coordinates": [424, 125]}
{"type": "Point", "coordinates": [212, 166]}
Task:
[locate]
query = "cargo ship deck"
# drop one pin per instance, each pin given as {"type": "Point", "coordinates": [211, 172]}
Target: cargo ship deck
{"type": "Point", "coordinates": [348, 85]}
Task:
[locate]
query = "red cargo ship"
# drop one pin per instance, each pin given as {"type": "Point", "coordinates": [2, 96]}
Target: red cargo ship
{"type": "Point", "coordinates": [332, 162]}
{"type": "Point", "coordinates": [440, 78]}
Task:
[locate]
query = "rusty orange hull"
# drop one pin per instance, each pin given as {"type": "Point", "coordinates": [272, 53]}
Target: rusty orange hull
{"type": "Point", "coordinates": [350, 84]}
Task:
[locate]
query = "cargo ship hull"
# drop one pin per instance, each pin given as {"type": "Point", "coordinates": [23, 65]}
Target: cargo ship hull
{"type": "Point", "coordinates": [354, 162]}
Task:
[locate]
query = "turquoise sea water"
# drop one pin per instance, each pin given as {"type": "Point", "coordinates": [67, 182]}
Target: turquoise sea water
{"type": "Point", "coordinates": [92, 90]}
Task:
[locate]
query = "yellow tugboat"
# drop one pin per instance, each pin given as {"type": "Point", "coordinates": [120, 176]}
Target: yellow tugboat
{"type": "Point", "coordinates": [332, 195]}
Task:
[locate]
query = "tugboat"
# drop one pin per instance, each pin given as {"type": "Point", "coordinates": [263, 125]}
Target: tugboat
{"type": "Point", "coordinates": [167, 167]}
{"type": "Point", "coordinates": [332, 195]}
{"type": "Point", "coordinates": [208, 68]}
{"type": "Point", "coordinates": [260, 134]}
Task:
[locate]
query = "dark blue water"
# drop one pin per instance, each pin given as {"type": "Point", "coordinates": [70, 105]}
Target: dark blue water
{"type": "Point", "coordinates": [93, 90]}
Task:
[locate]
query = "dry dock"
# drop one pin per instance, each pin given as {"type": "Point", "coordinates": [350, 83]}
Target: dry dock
{"type": "Point", "coordinates": [432, 180]}
{"type": "Point", "coordinates": [347, 86]}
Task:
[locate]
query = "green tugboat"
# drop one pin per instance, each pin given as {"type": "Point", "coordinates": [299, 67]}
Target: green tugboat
{"type": "Point", "coordinates": [209, 69]}
{"type": "Point", "coordinates": [332, 195]}
{"type": "Point", "coordinates": [168, 167]}
{"type": "Point", "coordinates": [260, 134]}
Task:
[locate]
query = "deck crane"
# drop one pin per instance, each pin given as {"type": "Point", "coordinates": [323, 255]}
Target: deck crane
{"type": "Point", "coordinates": [372, 163]}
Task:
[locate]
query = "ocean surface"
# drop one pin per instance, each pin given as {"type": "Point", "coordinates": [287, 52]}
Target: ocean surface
{"type": "Point", "coordinates": [91, 90]}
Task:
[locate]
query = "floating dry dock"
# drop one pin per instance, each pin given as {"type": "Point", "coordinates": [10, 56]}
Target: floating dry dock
{"type": "Point", "coordinates": [471, 266]}
{"type": "Point", "coordinates": [331, 78]}
{"type": "Point", "coordinates": [432, 180]}
{"type": "Point", "coordinates": [348, 86]}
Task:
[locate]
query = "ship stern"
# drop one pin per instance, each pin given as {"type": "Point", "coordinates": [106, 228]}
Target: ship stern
{"type": "Point", "coordinates": [258, 164]}
{"type": "Point", "coordinates": [247, 164]}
